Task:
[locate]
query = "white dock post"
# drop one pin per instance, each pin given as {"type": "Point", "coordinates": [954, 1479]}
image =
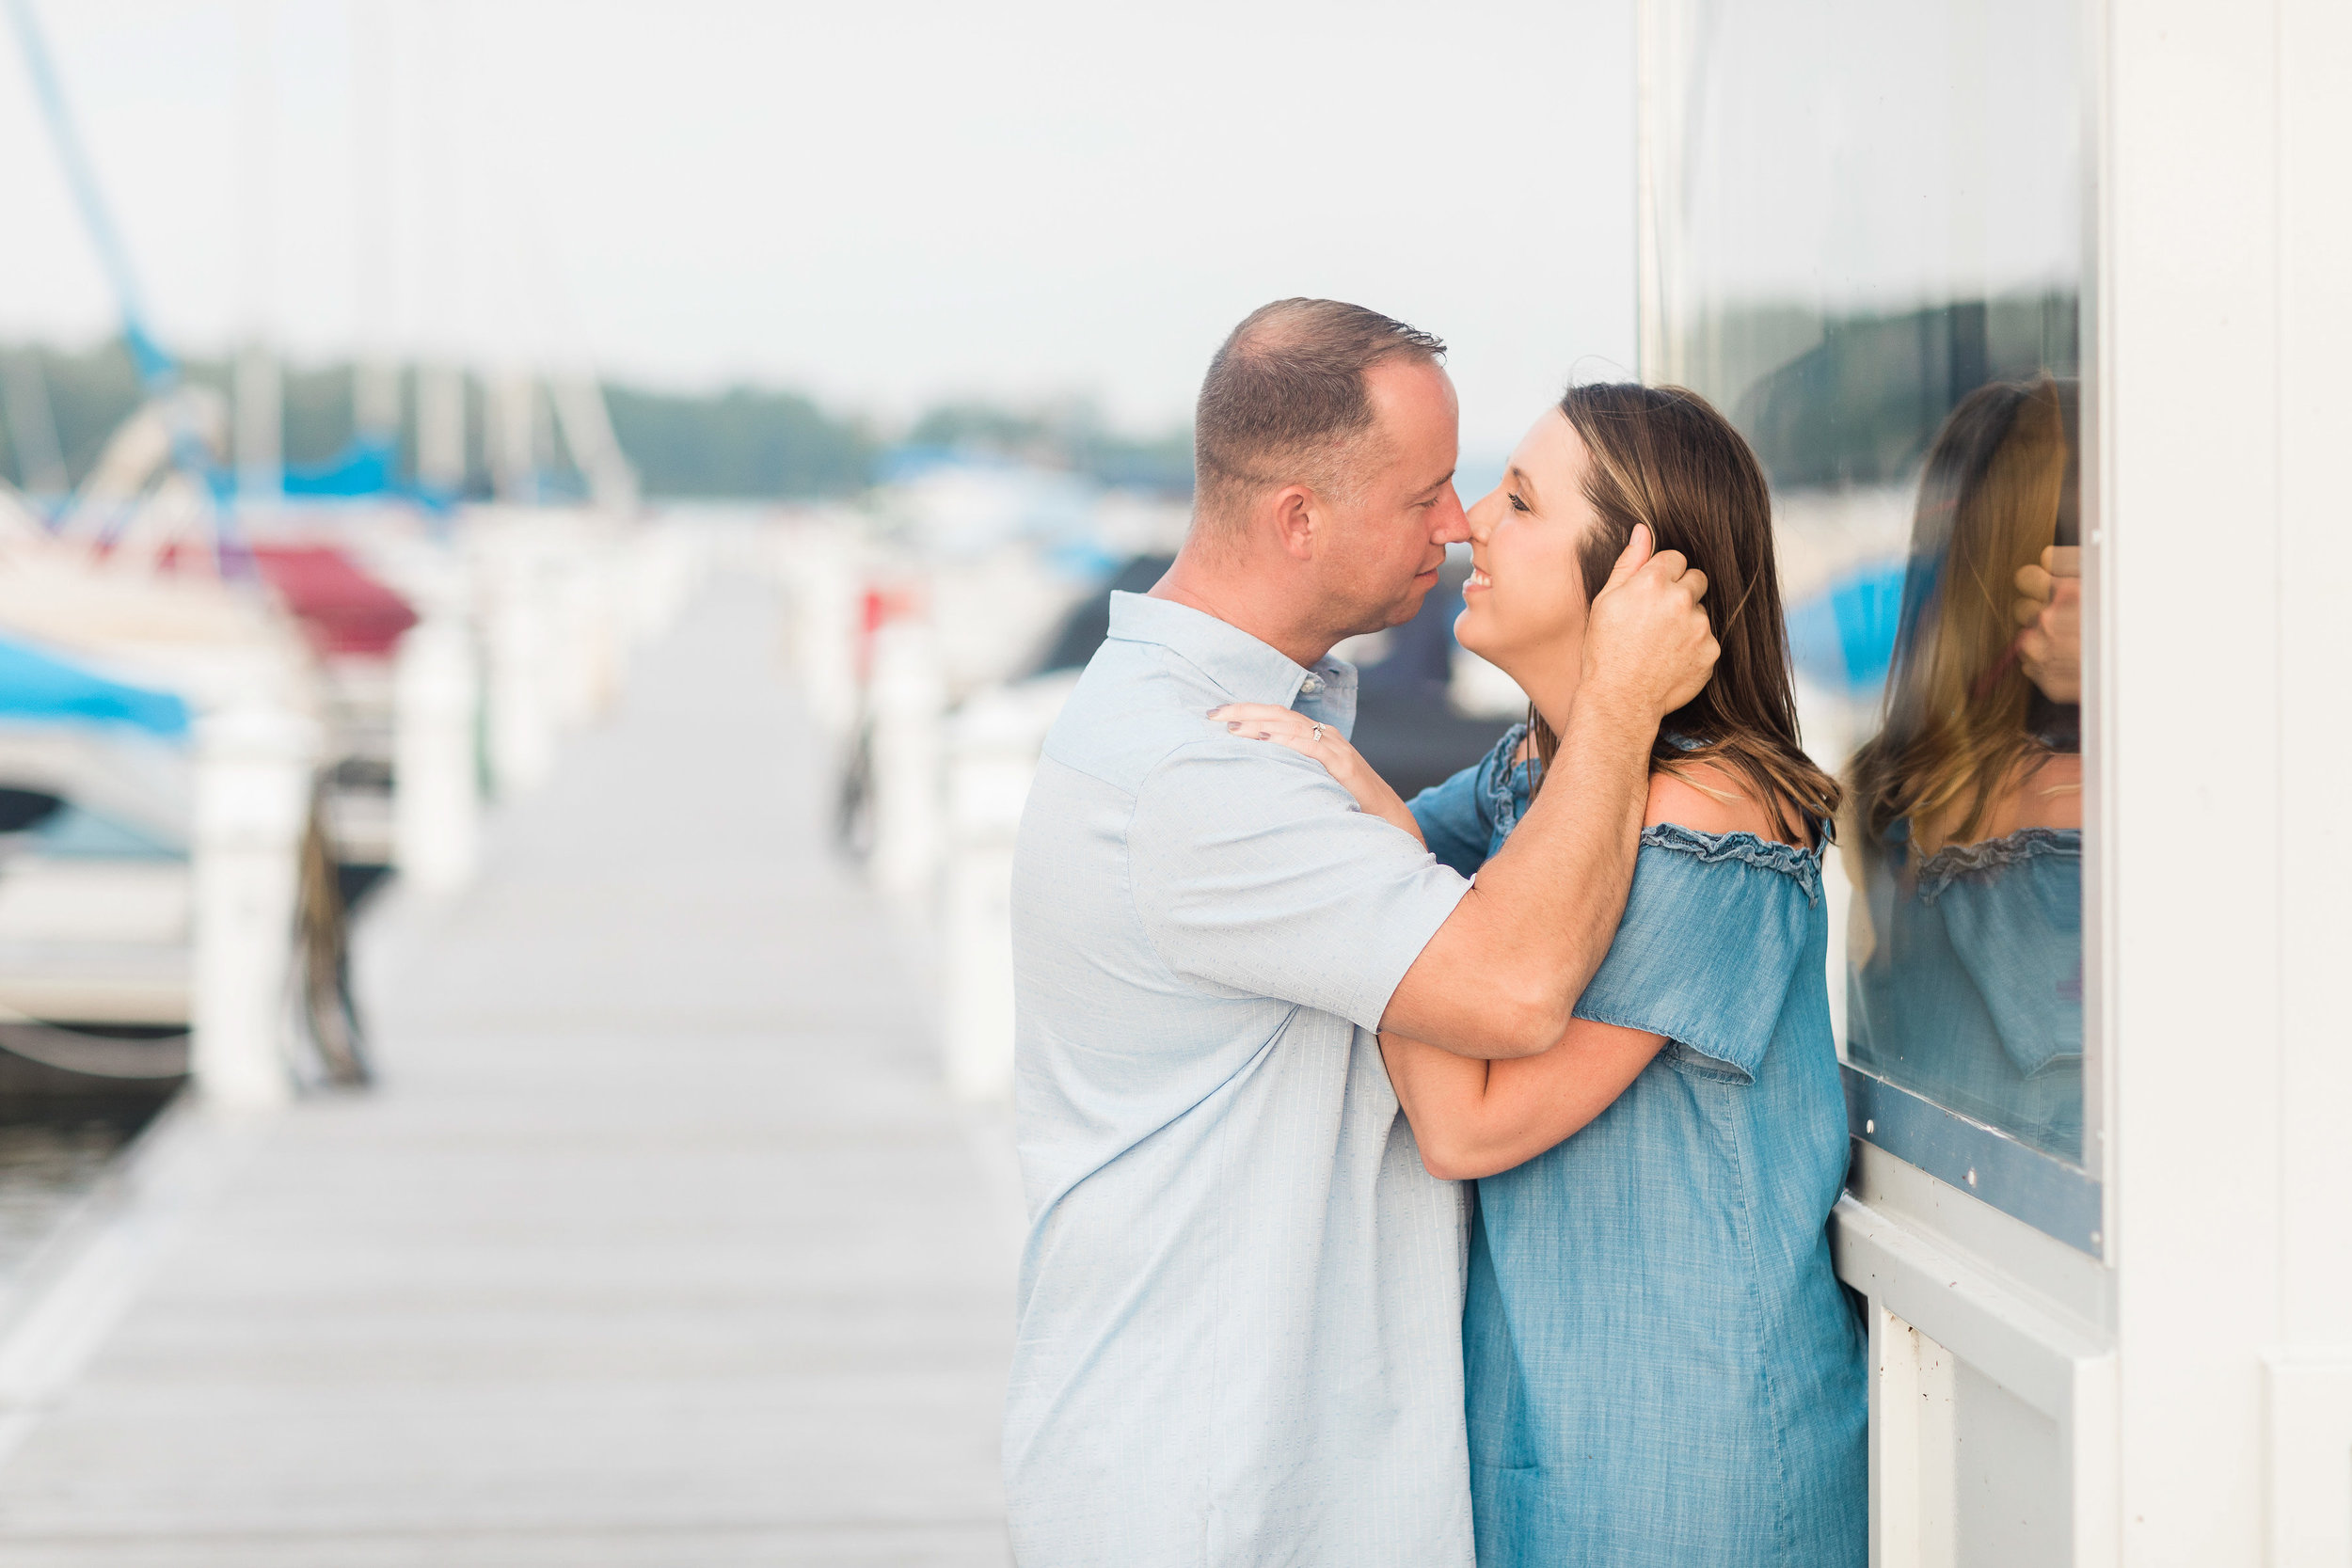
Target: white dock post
{"type": "Point", "coordinates": [436, 780]}
{"type": "Point", "coordinates": [910, 702]}
{"type": "Point", "coordinates": [587, 676]}
{"type": "Point", "coordinates": [818, 563]}
{"type": "Point", "coordinates": [660, 565]}
{"type": "Point", "coordinates": [992, 760]}
{"type": "Point", "coordinates": [252, 800]}
{"type": "Point", "coordinates": [522, 721]}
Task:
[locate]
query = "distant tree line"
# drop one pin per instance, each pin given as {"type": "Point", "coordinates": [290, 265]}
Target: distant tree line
{"type": "Point", "coordinates": [746, 443]}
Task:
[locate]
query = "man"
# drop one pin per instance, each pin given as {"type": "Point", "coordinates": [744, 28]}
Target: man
{"type": "Point", "coordinates": [1241, 1298]}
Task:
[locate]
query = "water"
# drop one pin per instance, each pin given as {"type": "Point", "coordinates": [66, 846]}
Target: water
{"type": "Point", "coordinates": [45, 1170]}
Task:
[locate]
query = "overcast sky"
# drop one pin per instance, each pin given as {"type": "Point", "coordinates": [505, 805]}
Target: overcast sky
{"type": "Point", "coordinates": [885, 203]}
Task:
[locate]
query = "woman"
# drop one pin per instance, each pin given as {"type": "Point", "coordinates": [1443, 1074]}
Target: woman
{"type": "Point", "coordinates": [1966, 814]}
{"type": "Point", "coordinates": [1661, 1368]}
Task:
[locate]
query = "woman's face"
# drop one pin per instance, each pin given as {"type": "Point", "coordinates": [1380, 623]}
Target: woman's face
{"type": "Point", "coordinates": [1524, 607]}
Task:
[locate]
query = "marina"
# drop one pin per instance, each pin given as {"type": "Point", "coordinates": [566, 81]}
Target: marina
{"type": "Point", "coordinates": [542, 547]}
{"type": "Point", "coordinates": [658, 1240]}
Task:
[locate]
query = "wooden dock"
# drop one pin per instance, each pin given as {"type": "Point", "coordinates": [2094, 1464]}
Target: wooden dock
{"type": "Point", "coordinates": [658, 1246]}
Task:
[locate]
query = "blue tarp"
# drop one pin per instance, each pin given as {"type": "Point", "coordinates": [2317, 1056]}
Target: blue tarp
{"type": "Point", "coordinates": [40, 686]}
{"type": "Point", "coordinates": [1844, 637]}
{"type": "Point", "coordinates": [362, 468]}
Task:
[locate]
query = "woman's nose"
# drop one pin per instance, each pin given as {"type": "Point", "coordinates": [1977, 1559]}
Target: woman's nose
{"type": "Point", "coordinates": [1480, 520]}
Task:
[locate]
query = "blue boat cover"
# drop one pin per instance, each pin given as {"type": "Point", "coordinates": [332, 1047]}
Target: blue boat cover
{"type": "Point", "coordinates": [1844, 635]}
{"type": "Point", "coordinates": [40, 686]}
{"type": "Point", "coordinates": [362, 468]}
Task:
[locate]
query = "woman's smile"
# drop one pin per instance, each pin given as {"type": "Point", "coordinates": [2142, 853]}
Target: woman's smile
{"type": "Point", "coordinates": [1478, 581]}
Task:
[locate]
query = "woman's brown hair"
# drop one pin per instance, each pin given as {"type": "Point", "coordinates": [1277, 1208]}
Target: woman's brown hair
{"type": "Point", "coordinates": [1962, 720]}
{"type": "Point", "coordinates": [1663, 456]}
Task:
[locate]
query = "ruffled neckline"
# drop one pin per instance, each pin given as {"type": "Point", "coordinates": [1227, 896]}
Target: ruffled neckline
{"type": "Point", "coordinates": [1507, 749]}
{"type": "Point", "coordinates": [1948, 864]}
{"type": "Point", "coordinates": [1801, 865]}
{"type": "Point", "coordinates": [1508, 782]}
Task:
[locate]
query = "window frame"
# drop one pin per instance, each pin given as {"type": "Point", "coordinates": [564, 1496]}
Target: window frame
{"type": "Point", "coordinates": [2067, 1201]}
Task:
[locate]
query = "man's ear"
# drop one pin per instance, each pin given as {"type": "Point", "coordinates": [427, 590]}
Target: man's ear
{"type": "Point", "coordinates": [1294, 517]}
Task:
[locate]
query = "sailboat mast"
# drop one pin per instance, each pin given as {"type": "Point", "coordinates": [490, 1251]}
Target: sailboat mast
{"type": "Point", "coordinates": [375, 364]}
{"type": "Point", "coordinates": [260, 393]}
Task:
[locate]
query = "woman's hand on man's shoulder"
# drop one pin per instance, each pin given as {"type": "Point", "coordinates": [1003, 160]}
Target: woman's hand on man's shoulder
{"type": "Point", "coordinates": [1295, 731]}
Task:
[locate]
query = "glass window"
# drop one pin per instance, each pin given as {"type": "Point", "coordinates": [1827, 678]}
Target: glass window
{"type": "Point", "coordinates": [1863, 236]}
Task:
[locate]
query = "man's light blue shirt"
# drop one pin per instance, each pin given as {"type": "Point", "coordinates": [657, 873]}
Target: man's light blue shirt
{"type": "Point", "coordinates": [1241, 1299]}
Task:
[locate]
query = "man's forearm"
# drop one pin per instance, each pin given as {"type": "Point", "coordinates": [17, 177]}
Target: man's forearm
{"type": "Point", "coordinates": [1560, 884]}
{"type": "Point", "coordinates": [1502, 975]}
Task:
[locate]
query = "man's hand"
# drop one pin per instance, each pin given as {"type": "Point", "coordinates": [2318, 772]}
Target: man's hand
{"type": "Point", "coordinates": [2050, 611]}
{"type": "Point", "coordinates": [1648, 646]}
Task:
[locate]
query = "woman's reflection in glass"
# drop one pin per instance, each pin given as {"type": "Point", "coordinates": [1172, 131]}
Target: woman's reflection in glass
{"type": "Point", "coordinates": [1965, 831]}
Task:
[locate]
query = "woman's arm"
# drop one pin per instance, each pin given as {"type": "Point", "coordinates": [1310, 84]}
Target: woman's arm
{"type": "Point", "coordinates": [1288, 727]}
{"type": "Point", "coordinates": [1474, 1119]}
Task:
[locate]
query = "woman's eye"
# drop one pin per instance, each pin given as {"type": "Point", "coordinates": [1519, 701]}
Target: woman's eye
{"type": "Point", "coordinates": [1516, 504]}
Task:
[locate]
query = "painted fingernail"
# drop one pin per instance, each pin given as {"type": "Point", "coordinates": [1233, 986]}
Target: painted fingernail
{"type": "Point", "coordinates": [1233, 726]}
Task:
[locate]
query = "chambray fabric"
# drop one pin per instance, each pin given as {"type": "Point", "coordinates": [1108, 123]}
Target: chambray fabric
{"type": "Point", "coordinates": [1240, 1302]}
{"type": "Point", "coordinates": [1466, 818]}
{"type": "Point", "coordinates": [1972, 992]}
{"type": "Point", "coordinates": [1661, 1369]}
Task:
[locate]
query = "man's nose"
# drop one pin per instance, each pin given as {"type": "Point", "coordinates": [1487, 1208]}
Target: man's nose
{"type": "Point", "coordinates": [1452, 524]}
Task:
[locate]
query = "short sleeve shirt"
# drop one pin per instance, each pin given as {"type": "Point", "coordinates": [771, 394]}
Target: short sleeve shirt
{"type": "Point", "coordinates": [1241, 1295]}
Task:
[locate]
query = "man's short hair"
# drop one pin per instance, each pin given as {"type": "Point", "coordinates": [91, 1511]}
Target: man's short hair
{"type": "Point", "coordinates": [1284, 401]}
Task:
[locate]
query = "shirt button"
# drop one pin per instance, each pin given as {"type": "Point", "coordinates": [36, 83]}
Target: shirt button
{"type": "Point", "coordinates": [1311, 686]}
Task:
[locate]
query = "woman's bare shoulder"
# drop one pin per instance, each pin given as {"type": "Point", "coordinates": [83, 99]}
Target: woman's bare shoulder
{"type": "Point", "coordinates": [1707, 799]}
{"type": "Point", "coordinates": [2043, 791]}
{"type": "Point", "coordinates": [2049, 793]}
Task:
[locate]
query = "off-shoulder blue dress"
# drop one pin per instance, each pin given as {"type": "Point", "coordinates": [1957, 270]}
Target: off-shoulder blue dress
{"type": "Point", "coordinates": [1973, 993]}
{"type": "Point", "coordinates": [1661, 1368]}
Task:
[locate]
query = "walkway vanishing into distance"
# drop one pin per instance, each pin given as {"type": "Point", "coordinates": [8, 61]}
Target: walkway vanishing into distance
{"type": "Point", "coordinates": [658, 1246]}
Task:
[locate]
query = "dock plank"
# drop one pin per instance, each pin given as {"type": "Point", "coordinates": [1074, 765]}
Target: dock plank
{"type": "Point", "coordinates": [660, 1242]}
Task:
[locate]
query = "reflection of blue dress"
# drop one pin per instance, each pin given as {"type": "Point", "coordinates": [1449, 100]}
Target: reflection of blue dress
{"type": "Point", "coordinates": [1661, 1369]}
{"type": "Point", "coordinates": [1973, 992]}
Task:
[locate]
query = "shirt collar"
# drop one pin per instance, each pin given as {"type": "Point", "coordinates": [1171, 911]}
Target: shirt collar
{"type": "Point", "coordinates": [1248, 670]}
